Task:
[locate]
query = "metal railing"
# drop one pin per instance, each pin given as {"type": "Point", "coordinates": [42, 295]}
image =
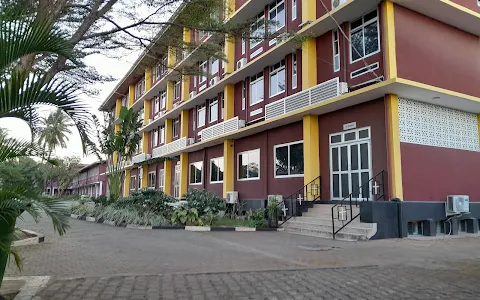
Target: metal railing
{"type": "Point", "coordinates": [372, 190]}
{"type": "Point", "coordinates": [290, 205]}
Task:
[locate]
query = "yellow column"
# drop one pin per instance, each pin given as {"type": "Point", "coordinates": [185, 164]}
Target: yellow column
{"type": "Point", "coordinates": [311, 151]}
{"type": "Point", "coordinates": [168, 130]}
{"type": "Point", "coordinates": [186, 35]}
{"type": "Point", "coordinates": [148, 79]}
{"type": "Point", "coordinates": [478, 118]}
{"type": "Point", "coordinates": [309, 64]}
{"type": "Point", "coordinates": [228, 166]}
{"type": "Point", "coordinates": [229, 54]}
{"type": "Point", "coordinates": [167, 165]}
{"type": "Point", "coordinates": [309, 10]}
{"type": "Point", "coordinates": [184, 174]}
{"type": "Point", "coordinates": [185, 88]}
{"type": "Point", "coordinates": [391, 53]}
{"type": "Point", "coordinates": [131, 95]}
{"type": "Point", "coordinates": [229, 101]}
{"type": "Point", "coordinates": [146, 116]}
{"type": "Point", "coordinates": [229, 8]}
{"type": "Point", "coordinates": [184, 123]}
{"type": "Point", "coordinates": [172, 57]}
{"type": "Point", "coordinates": [169, 95]}
{"type": "Point", "coordinates": [118, 107]}
{"type": "Point", "coordinates": [395, 156]}
{"type": "Point", "coordinates": [126, 183]}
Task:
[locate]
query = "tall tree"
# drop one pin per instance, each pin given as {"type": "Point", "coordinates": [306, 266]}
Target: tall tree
{"type": "Point", "coordinates": [54, 131]}
{"type": "Point", "coordinates": [64, 172]}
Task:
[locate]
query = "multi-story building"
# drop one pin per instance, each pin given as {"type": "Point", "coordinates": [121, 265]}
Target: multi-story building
{"type": "Point", "coordinates": [380, 95]}
{"type": "Point", "coordinates": [91, 180]}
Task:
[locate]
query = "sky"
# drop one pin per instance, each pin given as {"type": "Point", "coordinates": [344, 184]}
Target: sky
{"type": "Point", "coordinates": [105, 65]}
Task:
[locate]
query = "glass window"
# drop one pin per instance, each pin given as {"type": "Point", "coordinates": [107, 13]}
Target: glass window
{"type": "Point", "coordinates": [214, 65]}
{"type": "Point", "coordinates": [243, 45]}
{"type": "Point", "coordinates": [164, 68]}
{"type": "Point", "coordinates": [203, 72]}
{"type": "Point", "coordinates": [152, 177]}
{"type": "Point", "coordinates": [156, 104]}
{"type": "Point", "coordinates": [244, 93]}
{"type": "Point", "coordinates": [256, 89]}
{"type": "Point", "coordinates": [155, 137]}
{"type": "Point", "coordinates": [163, 99]}
{"type": "Point", "coordinates": [249, 164]}
{"type": "Point", "coordinates": [289, 159]}
{"type": "Point", "coordinates": [213, 111]}
{"type": "Point", "coordinates": [139, 88]}
{"type": "Point", "coordinates": [139, 181]}
{"type": "Point", "coordinates": [125, 101]}
{"type": "Point", "coordinates": [201, 116]}
{"type": "Point", "coordinates": [141, 115]}
{"type": "Point", "coordinates": [176, 89]}
{"type": "Point", "coordinates": [364, 36]}
{"type": "Point", "coordinates": [336, 51]}
{"type": "Point", "coordinates": [162, 134]}
{"type": "Point", "coordinates": [161, 179]}
{"type": "Point", "coordinates": [133, 182]}
{"type": "Point", "coordinates": [216, 170]}
{"type": "Point", "coordinates": [277, 78]}
{"type": "Point", "coordinates": [294, 71]}
{"type": "Point", "coordinates": [176, 127]}
{"type": "Point", "coordinates": [277, 16]}
{"type": "Point", "coordinates": [257, 30]}
{"type": "Point", "coordinates": [196, 172]}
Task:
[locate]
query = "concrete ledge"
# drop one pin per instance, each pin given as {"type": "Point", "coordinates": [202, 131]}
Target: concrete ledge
{"type": "Point", "coordinates": [111, 223]}
{"type": "Point", "coordinates": [90, 219]}
{"type": "Point", "coordinates": [197, 228]}
{"type": "Point", "coordinates": [74, 216]}
{"type": "Point", "coordinates": [39, 238]}
{"type": "Point", "coordinates": [33, 284]}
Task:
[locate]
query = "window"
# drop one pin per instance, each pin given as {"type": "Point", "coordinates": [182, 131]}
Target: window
{"type": "Point", "coordinates": [164, 67]}
{"type": "Point", "coordinates": [160, 69]}
{"type": "Point", "coordinates": [176, 125]}
{"type": "Point", "coordinates": [156, 104]}
{"type": "Point", "coordinates": [162, 134]}
{"type": "Point", "coordinates": [277, 15]}
{"type": "Point", "coordinates": [336, 51]}
{"type": "Point", "coordinates": [201, 116]}
{"type": "Point", "coordinates": [213, 110]}
{"type": "Point", "coordinates": [203, 72]}
{"type": "Point", "coordinates": [289, 160]}
{"type": "Point", "coordinates": [196, 173]}
{"type": "Point", "coordinates": [152, 177]}
{"type": "Point", "coordinates": [277, 78]}
{"type": "Point", "coordinates": [294, 71]}
{"type": "Point", "coordinates": [244, 93]}
{"type": "Point", "coordinates": [294, 10]}
{"type": "Point", "coordinates": [163, 99]}
{"type": "Point", "coordinates": [195, 81]}
{"type": "Point", "coordinates": [161, 179]}
{"type": "Point", "coordinates": [139, 181]}
{"type": "Point", "coordinates": [214, 65]}
{"type": "Point", "coordinates": [133, 182]}
{"type": "Point", "coordinates": [257, 30]}
{"type": "Point", "coordinates": [249, 165]}
{"type": "Point", "coordinates": [364, 37]}
{"type": "Point", "coordinates": [141, 115]}
{"type": "Point", "coordinates": [202, 34]}
{"type": "Point", "coordinates": [223, 106]}
{"type": "Point", "coordinates": [176, 89]}
{"type": "Point", "coordinates": [243, 44]}
{"type": "Point", "coordinates": [125, 101]}
{"type": "Point", "coordinates": [256, 89]}
{"type": "Point", "coordinates": [155, 138]}
{"type": "Point", "coordinates": [216, 170]}
{"type": "Point", "coordinates": [139, 88]}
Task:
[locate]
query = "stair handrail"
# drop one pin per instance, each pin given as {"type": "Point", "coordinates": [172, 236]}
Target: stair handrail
{"type": "Point", "coordinates": [360, 190]}
{"type": "Point", "coordinates": [290, 202]}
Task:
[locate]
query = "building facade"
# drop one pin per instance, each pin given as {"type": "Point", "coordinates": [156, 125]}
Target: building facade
{"type": "Point", "coordinates": [378, 89]}
{"type": "Point", "coordinates": [91, 180]}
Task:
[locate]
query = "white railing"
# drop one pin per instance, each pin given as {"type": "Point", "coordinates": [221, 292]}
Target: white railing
{"type": "Point", "coordinates": [170, 147]}
{"type": "Point", "coordinates": [140, 158]}
{"type": "Point", "coordinates": [222, 128]}
{"type": "Point", "coordinates": [319, 93]}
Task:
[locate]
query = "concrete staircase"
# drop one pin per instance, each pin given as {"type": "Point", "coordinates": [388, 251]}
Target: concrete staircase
{"type": "Point", "coordinates": [317, 221]}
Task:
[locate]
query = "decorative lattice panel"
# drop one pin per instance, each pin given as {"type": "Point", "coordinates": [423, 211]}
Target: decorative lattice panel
{"type": "Point", "coordinates": [432, 125]}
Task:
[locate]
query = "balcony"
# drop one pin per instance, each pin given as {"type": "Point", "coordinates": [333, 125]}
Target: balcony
{"type": "Point", "coordinates": [319, 93]}
{"type": "Point", "coordinates": [137, 159]}
{"type": "Point", "coordinates": [222, 128]}
{"type": "Point", "coordinates": [174, 146]}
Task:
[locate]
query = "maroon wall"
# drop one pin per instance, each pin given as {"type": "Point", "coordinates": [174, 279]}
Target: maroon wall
{"type": "Point", "coordinates": [371, 114]}
{"type": "Point", "coordinates": [267, 184]}
{"type": "Point", "coordinates": [434, 53]}
{"type": "Point", "coordinates": [433, 173]}
{"type": "Point", "coordinates": [239, 3]}
{"type": "Point", "coordinates": [468, 4]}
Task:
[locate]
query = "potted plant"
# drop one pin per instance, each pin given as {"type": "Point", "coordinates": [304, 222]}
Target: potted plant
{"type": "Point", "coordinates": [273, 211]}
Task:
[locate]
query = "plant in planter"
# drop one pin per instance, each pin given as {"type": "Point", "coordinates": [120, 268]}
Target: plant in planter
{"type": "Point", "coordinates": [184, 216]}
{"type": "Point", "coordinates": [256, 218]}
{"type": "Point", "coordinates": [273, 211]}
{"type": "Point", "coordinates": [204, 201]}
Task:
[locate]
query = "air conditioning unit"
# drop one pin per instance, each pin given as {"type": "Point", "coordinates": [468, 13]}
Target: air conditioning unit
{"type": "Point", "coordinates": [343, 88]}
{"type": "Point", "coordinates": [241, 123]}
{"type": "Point", "coordinates": [241, 63]}
{"type": "Point", "coordinates": [193, 94]}
{"type": "Point", "coordinates": [457, 204]}
{"type": "Point", "coordinates": [214, 80]}
{"type": "Point", "coordinates": [337, 3]}
{"type": "Point", "coordinates": [232, 197]}
{"type": "Point", "coordinates": [191, 141]}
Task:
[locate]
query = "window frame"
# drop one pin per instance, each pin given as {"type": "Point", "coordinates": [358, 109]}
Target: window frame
{"type": "Point", "coordinates": [190, 173]}
{"type": "Point", "coordinates": [362, 29]}
{"type": "Point", "coordinates": [161, 133]}
{"type": "Point", "coordinates": [161, 179]}
{"type": "Point", "coordinates": [294, 10]}
{"type": "Point", "coordinates": [288, 153]}
{"type": "Point", "coordinates": [156, 104]}
{"type": "Point", "coordinates": [273, 72]}
{"type": "Point", "coordinates": [275, 7]}
{"type": "Point", "coordinates": [214, 62]}
{"type": "Point", "coordinates": [253, 82]}
{"type": "Point", "coordinates": [155, 137]}
{"type": "Point", "coordinates": [176, 127]}
{"type": "Point", "coordinates": [211, 104]}
{"type": "Point", "coordinates": [294, 71]}
{"type": "Point", "coordinates": [201, 109]}
{"type": "Point", "coordinates": [204, 71]}
{"type": "Point", "coordinates": [336, 41]}
{"type": "Point", "coordinates": [149, 177]}
{"type": "Point", "coordinates": [218, 174]}
{"type": "Point", "coordinates": [163, 100]}
{"type": "Point", "coordinates": [238, 165]}
{"type": "Point", "coordinates": [176, 89]}
{"type": "Point", "coordinates": [134, 177]}
{"type": "Point", "coordinates": [139, 88]}
{"type": "Point", "coordinates": [260, 19]}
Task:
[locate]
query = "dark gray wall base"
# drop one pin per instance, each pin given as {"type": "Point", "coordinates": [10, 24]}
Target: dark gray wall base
{"type": "Point", "coordinates": [429, 228]}
{"type": "Point", "coordinates": [472, 225]}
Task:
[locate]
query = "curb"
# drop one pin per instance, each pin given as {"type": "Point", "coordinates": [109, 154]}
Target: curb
{"type": "Point", "coordinates": [175, 227]}
{"type": "Point", "coordinates": [37, 239]}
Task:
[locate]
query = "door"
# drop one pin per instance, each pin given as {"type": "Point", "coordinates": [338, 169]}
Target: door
{"type": "Point", "coordinates": [176, 181]}
{"type": "Point", "coordinates": [350, 164]}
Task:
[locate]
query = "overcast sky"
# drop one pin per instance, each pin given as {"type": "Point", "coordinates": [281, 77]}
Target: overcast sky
{"type": "Point", "coordinates": [108, 66]}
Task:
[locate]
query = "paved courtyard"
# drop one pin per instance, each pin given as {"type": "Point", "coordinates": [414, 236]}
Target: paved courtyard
{"type": "Point", "coordinates": [95, 261]}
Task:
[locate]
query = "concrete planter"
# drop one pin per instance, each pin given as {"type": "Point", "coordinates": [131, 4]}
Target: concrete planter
{"type": "Point", "coordinates": [90, 219]}
{"type": "Point", "coordinates": [37, 239]}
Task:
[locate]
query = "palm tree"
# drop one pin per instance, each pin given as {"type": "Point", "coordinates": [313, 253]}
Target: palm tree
{"type": "Point", "coordinates": [54, 131]}
{"type": "Point", "coordinates": [22, 92]}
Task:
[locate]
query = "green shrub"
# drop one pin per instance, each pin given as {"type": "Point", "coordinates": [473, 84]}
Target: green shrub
{"type": "Point", "coordinates": [83, 210]}
{"type": "Point", "coordinates": [185, 216]}
{"type": "Point", "coordinates": [147, 200]}
{"type": "Point", "coordinates": [204, 202]}
{"type": "Point", "coordinates": [256, 218]}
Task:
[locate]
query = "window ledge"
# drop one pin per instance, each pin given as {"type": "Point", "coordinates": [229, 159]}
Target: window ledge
{"type": "Point", "coordinates": [248, 179]}
{"type": "Point", "coordinates": [289, 176]}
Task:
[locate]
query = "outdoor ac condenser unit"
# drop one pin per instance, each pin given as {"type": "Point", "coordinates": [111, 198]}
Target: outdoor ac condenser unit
{"type": "Point", "coordinates": [343, 88]}
{"type": "Point", "coordinates": [457, 204]}
{"type": "Point", "coordinates": [232, 197]}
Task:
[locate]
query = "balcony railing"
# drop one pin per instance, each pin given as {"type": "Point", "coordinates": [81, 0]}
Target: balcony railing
{"type": "Point", "coordinates": [319, 93]}
{"type": "Point", "coordinates": [140, 158]}
{"type": "Point", "coordinates": [222, 128]}
{"type": "Point", "coordinates": [170, 147]}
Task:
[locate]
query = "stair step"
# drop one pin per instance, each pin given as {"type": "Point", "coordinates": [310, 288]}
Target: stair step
{"type": "Point", "coordinates": [346, 236]}
{"type": "Point", "coordinates": [328, 221]}
{"type": "Point", "coordinates": [327, 227]}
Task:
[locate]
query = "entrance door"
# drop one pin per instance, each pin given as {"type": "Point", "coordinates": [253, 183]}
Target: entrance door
{"type": "Point", "coordinates": [350, 164]}
{"type": "Point", "coordinates": [176, 181]}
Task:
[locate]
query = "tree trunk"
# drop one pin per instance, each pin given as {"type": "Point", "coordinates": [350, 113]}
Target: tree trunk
{"type": "Point", "coordinates": [7, 226]}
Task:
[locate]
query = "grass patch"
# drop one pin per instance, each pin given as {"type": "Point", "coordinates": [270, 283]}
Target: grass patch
{"type": "Point", "coordinates": [227, 222]}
